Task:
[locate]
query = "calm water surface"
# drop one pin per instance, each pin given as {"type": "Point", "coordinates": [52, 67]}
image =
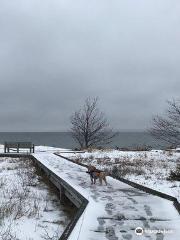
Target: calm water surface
{"type": "Point", "coordinates": [65, 140]}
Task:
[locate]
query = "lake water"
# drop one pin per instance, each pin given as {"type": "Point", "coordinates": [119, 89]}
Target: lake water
{"type": "Point", "coordinates": [65, 140]}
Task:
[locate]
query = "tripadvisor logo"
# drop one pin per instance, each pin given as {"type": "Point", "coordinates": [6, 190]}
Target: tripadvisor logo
{"type": "Point", "coordinates": [139, 231]}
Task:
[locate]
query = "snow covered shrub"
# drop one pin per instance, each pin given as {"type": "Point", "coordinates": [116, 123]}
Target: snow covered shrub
{"type": "Point", "coordinates": [169, 153]}
{"type": "Point", "coordinates": [123, 171]}
{"type": "Point", "coordinates": [175, 175]}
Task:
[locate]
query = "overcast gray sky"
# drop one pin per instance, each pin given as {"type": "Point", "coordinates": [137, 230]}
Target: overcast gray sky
{"type": "Point", "coordinates": [55, 53]}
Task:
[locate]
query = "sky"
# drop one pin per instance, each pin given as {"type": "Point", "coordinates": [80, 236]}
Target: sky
{"type": "Point", "coordinates": [56, 53]}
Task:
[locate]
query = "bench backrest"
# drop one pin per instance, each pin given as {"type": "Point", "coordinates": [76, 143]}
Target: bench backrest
{"type": "Point", "coordinates": [25, 145]}
{"type": "Point", "coordinates": [18, 144]}
{"type": "Point", "coordinates": [11, 144]}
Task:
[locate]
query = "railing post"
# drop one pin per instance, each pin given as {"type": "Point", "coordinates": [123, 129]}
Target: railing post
{"type": "Point", "coordinates": [62, 196]}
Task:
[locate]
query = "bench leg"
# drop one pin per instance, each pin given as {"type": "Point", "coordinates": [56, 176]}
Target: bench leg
{"type": "Point", "coordinates": [17, 150]}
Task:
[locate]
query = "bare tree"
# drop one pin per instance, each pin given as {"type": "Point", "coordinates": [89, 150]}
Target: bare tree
{"type": "Point", "coordinates": [168, 128]}
{"type": "Point", "coordinates": [89, 125]}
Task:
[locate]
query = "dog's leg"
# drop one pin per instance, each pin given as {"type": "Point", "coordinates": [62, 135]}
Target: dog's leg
{"type": "Point", "coordinates": [94, 180]}
{"type": "Point", "coordinates": [91, 179]}
{"type": "Point", "coordinates": [100, 180]}
{"type": "Point", "coordinates": [105, 180]}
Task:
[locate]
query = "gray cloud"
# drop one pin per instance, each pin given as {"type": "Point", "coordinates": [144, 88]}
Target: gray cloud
{"type": "Point", "coordinates": [54, 54]}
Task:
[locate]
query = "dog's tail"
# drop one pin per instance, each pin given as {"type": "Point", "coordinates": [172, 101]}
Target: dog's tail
{"type": "Point", "coordinates": [106, 171]}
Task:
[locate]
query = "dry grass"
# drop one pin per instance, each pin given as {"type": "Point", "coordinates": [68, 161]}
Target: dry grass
{"type": "Point", "coordinates": [125, 165]}
{"type": "Point", "coordinates": [20, 199]}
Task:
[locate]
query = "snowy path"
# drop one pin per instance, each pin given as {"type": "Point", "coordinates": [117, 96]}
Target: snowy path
{"type": "Point", "coordinates": [116, 210]}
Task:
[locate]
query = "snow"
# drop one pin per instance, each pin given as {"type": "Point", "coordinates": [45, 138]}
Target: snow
{"type": "Point", "coordinates": [27, 208]}
{"type": "Point", "coordinates": [114, 211]}
{"type": "Point", "coordinates": [150, 168]}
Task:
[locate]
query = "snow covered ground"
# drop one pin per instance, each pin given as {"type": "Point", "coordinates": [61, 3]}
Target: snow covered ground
{"type": "Point", "coordinates": [116, 210]}
{"type": "Point", "coordinates": [29, 209]}
{"type": "Point", "coordinates": [150, 168]}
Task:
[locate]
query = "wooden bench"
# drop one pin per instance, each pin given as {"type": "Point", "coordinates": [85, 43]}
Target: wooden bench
{"type": "Point", "coordinates": [18, 145]}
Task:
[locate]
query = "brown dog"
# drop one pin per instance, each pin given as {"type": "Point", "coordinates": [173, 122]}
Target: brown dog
{"type": "Point", "coordinates": [95, 174]}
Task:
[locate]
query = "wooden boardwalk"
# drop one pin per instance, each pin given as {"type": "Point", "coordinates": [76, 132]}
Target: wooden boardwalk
{"type": "Point", "coordinates": [116, 210]}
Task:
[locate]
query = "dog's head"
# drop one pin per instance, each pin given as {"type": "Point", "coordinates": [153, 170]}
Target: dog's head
{"type": "Point", "coordinates": [91, 168]}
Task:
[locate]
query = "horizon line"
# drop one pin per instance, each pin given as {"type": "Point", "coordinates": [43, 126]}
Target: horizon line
{"type": "Point", "coordinates": [64, 131]}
